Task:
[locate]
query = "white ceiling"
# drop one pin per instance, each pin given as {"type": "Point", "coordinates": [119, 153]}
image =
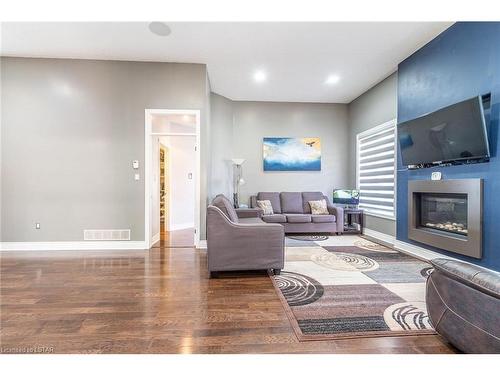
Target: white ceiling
{"type": "Point", "coordinates": [297, 57]}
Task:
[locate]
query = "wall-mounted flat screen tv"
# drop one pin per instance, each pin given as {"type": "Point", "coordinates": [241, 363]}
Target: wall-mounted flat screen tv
{"type": "Point", "coordinates": [453, 133]}
{"type": "Point", "coordinates": [345, 196]}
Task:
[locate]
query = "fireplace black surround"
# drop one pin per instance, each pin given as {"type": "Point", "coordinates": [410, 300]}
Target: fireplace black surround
{"type": "Point", "coordinates": [447, 214]}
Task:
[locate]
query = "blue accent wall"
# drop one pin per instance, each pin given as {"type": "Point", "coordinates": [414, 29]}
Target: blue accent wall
{"type": "Point", "coordinates": [462, 62]}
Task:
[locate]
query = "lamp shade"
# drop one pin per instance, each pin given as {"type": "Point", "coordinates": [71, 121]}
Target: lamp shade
{"type": "Point", "coordinates": [238, 161]}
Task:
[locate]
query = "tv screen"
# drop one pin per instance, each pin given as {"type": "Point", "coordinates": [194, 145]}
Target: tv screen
{"type": "Point", "coordinates": [344, 196]}
{"type": "Point", "coordinates": [456, 132]}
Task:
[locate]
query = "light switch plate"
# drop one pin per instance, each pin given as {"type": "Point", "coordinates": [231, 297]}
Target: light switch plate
{"type": "Point", "coordinates": [137, 177]}
{"type": "Point", "coordinates": [135, 164]}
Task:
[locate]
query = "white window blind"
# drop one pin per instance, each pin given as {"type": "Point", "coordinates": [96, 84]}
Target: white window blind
{"type": "Point", "coordinates": [375, 169]}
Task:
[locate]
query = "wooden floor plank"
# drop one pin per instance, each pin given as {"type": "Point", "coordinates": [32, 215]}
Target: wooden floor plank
{"type": "Point", "coordinates": [157, 301]}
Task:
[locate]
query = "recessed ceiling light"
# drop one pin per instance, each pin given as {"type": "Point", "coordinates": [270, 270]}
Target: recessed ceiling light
{"type": "Point", "coordinates": [159, 28]}
{"type": "Point", "coordinates": [332, 79]}
{"type": "Point", "coordinates": [185, 118]}
{"type": "Point", "coordinates": [259, 76]}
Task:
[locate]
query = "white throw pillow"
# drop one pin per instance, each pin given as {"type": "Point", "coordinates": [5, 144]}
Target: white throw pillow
{"type": "Point", "coordinates": [319, 207]}
{"type": "Point", "coordinates": [266, 206]}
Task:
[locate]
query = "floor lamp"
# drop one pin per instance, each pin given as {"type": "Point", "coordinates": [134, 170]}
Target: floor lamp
{"type": "Point", "coordinates": [237, 180]}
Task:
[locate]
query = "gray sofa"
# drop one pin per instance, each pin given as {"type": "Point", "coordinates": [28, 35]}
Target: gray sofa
{"type": "Point", "coordinates": [242, 243]}
{"type": "Point", "coordinates": [463, 303]}
{"type": "Point", "coordinates": [292, 210]}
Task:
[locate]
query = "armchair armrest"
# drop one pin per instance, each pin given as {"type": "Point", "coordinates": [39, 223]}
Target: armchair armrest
{"type": "Point", "coordinates": [249, 212]}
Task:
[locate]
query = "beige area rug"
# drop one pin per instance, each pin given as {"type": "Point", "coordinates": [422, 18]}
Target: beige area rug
{"type": "Point", "coordinates": [347, 286]}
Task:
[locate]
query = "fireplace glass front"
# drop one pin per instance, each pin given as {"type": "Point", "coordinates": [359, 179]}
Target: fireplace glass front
{"type": "Point", "coordinates": [443, 212]}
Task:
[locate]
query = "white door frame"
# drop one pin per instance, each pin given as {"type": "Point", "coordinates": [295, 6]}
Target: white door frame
{"type": "Point", "coordinates": [148, 158]}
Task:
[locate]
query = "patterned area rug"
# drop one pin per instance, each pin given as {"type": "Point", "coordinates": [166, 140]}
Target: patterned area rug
{"type": "Point", "coordinates": [307, 237]}
{"type": "Point", "coordinates": [350, 287]}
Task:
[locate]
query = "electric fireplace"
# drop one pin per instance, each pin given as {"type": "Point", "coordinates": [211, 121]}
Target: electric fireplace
{"type": "Point", "coordinates": [447, 215]}
{"type": "Point", "coordinates": [443, 212]}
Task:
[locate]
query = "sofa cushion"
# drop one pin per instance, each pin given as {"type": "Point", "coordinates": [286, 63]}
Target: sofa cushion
{"type": "Point", "coordinates": [291, 203]}
{"type": "Point", "coordinates": [225, 205]}
{"type": "Point", "coordinates": [308, 196]}
{"type": "Point", "coordinates": [323, 218]}
{"type": "Point", "coordinates": [276, 218]}
{"type": "Point", "coordinates": [273, 197]}
{"type": "Point", "coordinates": [298, 218]}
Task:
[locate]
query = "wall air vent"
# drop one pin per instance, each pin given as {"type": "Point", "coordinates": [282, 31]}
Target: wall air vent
{"type": "Point", "coordinates": [106, 235]}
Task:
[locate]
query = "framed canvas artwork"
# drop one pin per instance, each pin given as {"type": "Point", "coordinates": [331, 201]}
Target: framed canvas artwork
{"type": "Point", "coordinates": [292, 154]}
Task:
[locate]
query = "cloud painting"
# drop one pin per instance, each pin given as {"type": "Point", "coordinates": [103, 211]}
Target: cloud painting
{"type": "Point", "coordinates": [292, 154]}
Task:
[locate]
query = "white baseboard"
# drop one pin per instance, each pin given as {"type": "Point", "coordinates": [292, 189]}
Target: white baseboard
{"type": "Point", "coordinates": [155, 239]}
{"type": "Point", "coordinates": [180, 226]}
{"type": "Point", "coordinates": [412, 250]}
{"type": "Point", "coordinates": [73, 245]}
{"type": "Point", "coordinates": [404, 247]}
{"type": "Point", "coordinates": [380, 236]}
{"type": "Point", "coordinates": [202, 244]}
{"type": "Point", "coordinates": [419, 252]}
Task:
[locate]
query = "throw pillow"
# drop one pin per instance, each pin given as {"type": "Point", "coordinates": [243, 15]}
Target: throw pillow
{"type": "Point", "coordinates": [318, 207]}
{"type": "Point", "coordinates": [266, 206]}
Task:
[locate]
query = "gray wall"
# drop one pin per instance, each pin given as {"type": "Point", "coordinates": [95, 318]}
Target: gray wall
{"type": "Point", "coordinates": [70, 130]}
{"type": "Point", "coordinates": [374, 107]}
{"type": "Point", "coordinates": [255, 120]}
{"type": "Point", "coordinates": [221, 121]}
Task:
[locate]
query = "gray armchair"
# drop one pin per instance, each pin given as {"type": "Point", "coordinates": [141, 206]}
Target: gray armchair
{"type": "Point", "coordinates": [242, 243]}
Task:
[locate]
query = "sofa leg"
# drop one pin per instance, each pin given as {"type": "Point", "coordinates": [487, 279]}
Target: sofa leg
{"type": "Point", "coordinates": [277, 271]}
{"type": "Point", "coordinates": [214, 275]}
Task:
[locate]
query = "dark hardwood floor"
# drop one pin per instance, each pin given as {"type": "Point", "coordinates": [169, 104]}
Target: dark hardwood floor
{"type": "Point", "coordinates": [158, 301]}
{"type": "Point", "coordinates": [176, 238]}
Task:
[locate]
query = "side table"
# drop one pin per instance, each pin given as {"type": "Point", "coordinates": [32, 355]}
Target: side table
{"type": "Point", "coordinates": [353, 221]}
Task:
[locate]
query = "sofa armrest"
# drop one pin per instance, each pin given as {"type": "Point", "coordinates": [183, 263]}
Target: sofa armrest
{"type": "Point", "coordinates": [253, 201]}
{"type": "Point", "coordinates": [338, 212]}
{"type": "Point", "coordinates": [249, 212]}
{"type": "Point", "coordinates": [237, 246]}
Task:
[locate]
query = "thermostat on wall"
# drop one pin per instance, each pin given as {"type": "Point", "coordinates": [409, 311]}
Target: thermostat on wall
{"type": "Point", "coordinates": [436, 176]}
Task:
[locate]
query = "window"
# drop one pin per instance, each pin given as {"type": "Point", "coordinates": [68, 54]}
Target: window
{"type": "Point", "coordinates": [375, 170]}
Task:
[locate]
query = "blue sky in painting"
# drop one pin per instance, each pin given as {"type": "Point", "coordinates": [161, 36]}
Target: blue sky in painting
{"type": "Point", "coordinates": [292, 154]}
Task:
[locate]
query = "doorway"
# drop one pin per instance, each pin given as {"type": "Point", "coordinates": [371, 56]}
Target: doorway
{"type": "Point", "coordinates": [176, 193]}
{"type": "Point", "coordinates": [172, 213]}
